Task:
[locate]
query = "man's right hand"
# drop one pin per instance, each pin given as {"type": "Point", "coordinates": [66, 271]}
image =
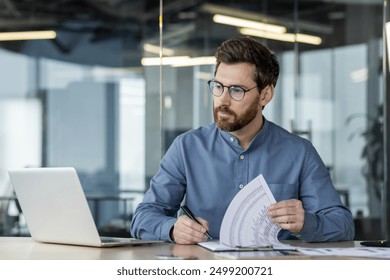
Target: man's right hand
{"type": "Point", "coordinates": [187, 231]}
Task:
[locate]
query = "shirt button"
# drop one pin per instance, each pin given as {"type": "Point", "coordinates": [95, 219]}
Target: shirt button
{"type": "Point", "coordinates": [241, 186]}
{"type": "Point", "coordinates": [231, 139]}
{"type": "Point", "coordinates": [242, 157]}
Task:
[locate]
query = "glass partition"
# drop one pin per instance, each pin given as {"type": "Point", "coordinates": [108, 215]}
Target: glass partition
{"type": "Point", "coordinates": [329, 91]}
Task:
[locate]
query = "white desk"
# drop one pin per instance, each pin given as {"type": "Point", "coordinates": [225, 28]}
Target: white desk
{"type": "Point", "coordinates": [24, 248]}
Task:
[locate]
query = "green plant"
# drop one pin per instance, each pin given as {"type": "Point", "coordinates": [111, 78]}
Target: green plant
{"type": "Point", "coordinates": [373, 150]}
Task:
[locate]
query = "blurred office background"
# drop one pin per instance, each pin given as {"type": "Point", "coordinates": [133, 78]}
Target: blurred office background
{"type": "Point", "coordinates": [119, 79]}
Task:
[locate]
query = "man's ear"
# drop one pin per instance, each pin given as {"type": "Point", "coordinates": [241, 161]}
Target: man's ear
{"type": "Point", "coordinates": [266, 95]}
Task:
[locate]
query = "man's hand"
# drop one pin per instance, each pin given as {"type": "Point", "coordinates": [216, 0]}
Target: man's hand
{"type": "Point", "coordinates": [289, 214]}
{"type": "Point", "coordinates": [187, 231]}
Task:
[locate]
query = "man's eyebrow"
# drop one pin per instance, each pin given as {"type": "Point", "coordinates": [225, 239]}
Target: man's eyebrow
{"type": "Point", "coordinates": [232, 85]}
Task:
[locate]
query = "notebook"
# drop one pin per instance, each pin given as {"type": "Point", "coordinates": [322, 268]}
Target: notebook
{"type": "Point", "coordinates": [56, 209]}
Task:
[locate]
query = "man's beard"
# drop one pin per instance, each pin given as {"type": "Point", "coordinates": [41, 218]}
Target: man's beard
{"type": "Point", "coordinates": [238, 122]}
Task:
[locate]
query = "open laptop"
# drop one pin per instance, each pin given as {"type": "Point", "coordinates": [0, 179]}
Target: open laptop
{"type": "Point", "coordinates": [56, 209]}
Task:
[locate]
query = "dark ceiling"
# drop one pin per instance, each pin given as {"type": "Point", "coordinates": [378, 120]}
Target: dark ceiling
{"type": "Point", "coordinates": [187, 24]}
{"type": "Point", "coordinates": [100, 16]}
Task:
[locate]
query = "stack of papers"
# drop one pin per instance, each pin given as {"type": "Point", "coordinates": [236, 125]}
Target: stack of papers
{"type": "Point", "coordinates": [247, 231]}
{"type": "Point", "coordinates": [372, 252]}
{"type": "Point", "coordinates": [246, 225]}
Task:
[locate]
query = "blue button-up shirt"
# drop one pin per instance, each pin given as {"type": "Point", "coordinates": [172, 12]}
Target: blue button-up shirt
{"type": "Point", "coordinates": [207, 167]}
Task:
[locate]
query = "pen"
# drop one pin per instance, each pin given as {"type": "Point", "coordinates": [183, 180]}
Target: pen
{"type": "Point", "coordinates": [188, 212]}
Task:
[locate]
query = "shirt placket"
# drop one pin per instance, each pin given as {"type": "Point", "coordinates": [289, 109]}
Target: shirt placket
{"type": "Point", "coordinates": [242, 170]}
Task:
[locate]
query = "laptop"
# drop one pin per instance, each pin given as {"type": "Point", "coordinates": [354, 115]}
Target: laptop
{"type": "Point", "coordinates": [56, 209]}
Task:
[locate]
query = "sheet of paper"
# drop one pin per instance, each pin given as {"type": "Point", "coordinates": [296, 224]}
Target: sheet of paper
{"type": "Point", "coordinates": [249, 255]}
{"type": "Point", "coordinates": [371, 252]}
{"type": "Point", "coordinates": [246, 223]}
{"type": "Point", "coordinates": [215, 246]}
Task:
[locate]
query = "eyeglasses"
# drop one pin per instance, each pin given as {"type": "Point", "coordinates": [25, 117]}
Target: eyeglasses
{"type": "Point", "coordinates": [236, 93]}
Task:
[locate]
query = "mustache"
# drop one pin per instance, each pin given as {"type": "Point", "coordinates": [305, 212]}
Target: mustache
{"type": "Point", "coordinates": [224, 109]}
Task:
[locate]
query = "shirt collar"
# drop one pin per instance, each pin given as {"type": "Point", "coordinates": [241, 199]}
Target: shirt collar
{"type": "Point", "coordinates": [233, 140]}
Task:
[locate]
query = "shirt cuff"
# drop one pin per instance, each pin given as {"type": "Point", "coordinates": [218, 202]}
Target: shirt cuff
{"type": "Point", "coordinates": [166, 229]}
{"type": "Point", "coordinates": [309, 227]}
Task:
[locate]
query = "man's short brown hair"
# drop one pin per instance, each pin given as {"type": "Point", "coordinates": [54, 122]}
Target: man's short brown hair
{"type": "Point", "coordinates": [248, 50]}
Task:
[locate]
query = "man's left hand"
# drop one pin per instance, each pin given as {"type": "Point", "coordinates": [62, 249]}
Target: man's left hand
{"type": "Point", "coordinates": [289, 214]}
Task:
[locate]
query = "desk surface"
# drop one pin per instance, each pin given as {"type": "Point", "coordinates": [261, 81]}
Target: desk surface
{"type": "Point", "coordinates": [24, 248]}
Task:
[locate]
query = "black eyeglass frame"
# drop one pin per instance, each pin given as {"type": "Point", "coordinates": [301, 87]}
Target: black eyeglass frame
{"type": "Point", "coordinates": [229, 89]}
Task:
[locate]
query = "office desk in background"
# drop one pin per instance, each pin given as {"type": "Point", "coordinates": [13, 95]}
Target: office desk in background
{"type": "Point", "coordinates": [24, 248]}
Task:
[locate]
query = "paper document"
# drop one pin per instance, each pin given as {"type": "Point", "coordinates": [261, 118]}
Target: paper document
{"type": "Point", "coordinates": [246, 224]}
{"type": "Point", "coordinates": [216, 246]}
{"type": "Point", "coordinates": [372, 252]}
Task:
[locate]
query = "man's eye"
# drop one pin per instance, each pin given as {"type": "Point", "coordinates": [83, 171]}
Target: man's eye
{"type": "Point", "coordinates": [236, 90]}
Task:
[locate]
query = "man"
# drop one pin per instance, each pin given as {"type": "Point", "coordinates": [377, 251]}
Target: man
{"type": "Point", "coordinates": [208, 166]}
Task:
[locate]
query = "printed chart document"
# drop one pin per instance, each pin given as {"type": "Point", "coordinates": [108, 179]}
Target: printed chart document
{"type": "Point", "coordinates": [371, 252]}
{"type": "Point", "coordinates": [246, 225]}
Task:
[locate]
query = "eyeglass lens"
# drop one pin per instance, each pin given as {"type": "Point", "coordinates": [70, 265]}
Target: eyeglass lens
{"type": "Point", "coordinates": [235, 92]}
